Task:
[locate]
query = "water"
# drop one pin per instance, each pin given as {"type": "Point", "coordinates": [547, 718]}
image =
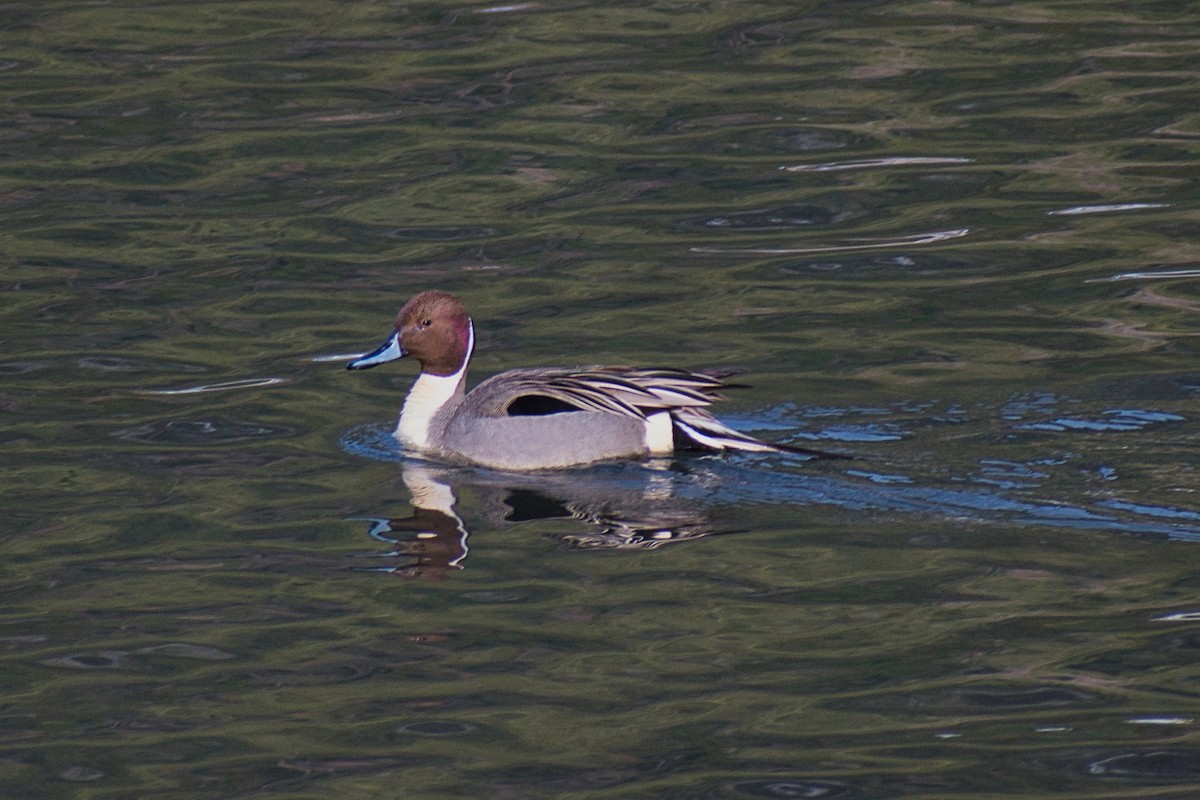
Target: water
{"type": "Point", "coordinates": [956, 240]}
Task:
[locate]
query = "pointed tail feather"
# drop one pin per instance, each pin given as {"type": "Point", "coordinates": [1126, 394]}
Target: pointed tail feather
{"type": "Point", "coordinates": [722, 441]}
{"type": "Point", "coordinates": [705, 430]}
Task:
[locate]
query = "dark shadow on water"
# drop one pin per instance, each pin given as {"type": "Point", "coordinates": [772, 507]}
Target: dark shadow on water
{"type": "Point", "coordinates": [630, 509]}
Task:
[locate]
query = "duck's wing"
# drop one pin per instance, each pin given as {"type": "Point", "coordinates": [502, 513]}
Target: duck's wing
{"type": "Point", "coordinates": [628, 391]}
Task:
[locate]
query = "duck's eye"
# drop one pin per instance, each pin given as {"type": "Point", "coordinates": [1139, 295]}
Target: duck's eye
{"type": "Point", "coordinates": [425, 323]}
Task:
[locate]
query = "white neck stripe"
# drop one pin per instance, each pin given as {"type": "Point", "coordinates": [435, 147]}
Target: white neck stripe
{"type": "Point", "coordinates": [429, 393]}
{"type": "Point", "coordinates": [470, 346]}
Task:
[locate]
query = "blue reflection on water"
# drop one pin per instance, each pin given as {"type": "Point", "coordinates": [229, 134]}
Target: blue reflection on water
{"type": "Point", "coordinates": [1121, 419]}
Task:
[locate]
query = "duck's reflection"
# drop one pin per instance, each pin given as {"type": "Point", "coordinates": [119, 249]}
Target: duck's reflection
{"type": "Point", "coordinates": [636, 511]}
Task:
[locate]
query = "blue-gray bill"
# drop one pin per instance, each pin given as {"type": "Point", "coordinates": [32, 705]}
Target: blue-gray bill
{"type": "Point", "coordinates": [390, 350]}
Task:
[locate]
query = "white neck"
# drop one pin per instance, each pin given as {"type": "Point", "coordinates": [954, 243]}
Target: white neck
{"type": "Point", "coordinates": [429, 393]}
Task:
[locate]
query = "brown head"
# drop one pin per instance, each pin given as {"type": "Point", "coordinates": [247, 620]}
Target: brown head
{"type": "Point", "coordinates": [433, 328]}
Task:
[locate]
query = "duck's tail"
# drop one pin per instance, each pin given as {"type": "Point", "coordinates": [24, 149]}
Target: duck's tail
{"type": "Point", "coordinates": [698, 427]}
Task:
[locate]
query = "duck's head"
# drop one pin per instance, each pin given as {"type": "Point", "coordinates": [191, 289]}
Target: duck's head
{"type": "Point", "coordinates": [433, 328]}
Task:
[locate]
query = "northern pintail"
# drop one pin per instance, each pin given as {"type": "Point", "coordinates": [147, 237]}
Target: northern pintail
{"type": "Point", "coordinates": [543, 418]}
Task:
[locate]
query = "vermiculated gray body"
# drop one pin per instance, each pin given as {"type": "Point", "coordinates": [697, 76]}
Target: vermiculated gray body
{"type": "Point", "coordinates": [540, 442]}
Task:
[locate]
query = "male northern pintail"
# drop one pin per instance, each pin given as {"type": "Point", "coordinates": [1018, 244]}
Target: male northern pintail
{"type": "Point", "coordinates": [543, 418]}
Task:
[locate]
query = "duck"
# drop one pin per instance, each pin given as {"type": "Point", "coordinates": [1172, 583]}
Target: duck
{"type": "Point", "coordinates": [546, 417]}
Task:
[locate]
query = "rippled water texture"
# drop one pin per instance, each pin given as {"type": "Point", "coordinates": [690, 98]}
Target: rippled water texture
{"type": "Point", "coordinates": [957, 240]}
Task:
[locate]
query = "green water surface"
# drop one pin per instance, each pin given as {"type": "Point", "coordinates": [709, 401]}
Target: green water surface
{"type": "Point", "coordinates": [955, 239]}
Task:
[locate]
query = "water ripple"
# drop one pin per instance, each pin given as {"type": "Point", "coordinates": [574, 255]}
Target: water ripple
{"type": "Point", "coordinates": [1116, 420]}
{"type": "Point", "coordinates": [1167, 765]}
{"type": "Point", "coordinates": [203, 431]}
{"type": "Point", "coordinates": [910, 240]}
{"type": "Point", "coordinates": [1104, 209]}
{"type": "Point", "coordinates": [245, 383]}
{"type": "Point", "coordinates": [1156, 275]}
{"type": "Point", "coordinates": [875, 163]}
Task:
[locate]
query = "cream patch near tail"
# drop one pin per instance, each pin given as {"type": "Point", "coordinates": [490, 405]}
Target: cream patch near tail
{"type": "Point", "coordinates": [660, 434]}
